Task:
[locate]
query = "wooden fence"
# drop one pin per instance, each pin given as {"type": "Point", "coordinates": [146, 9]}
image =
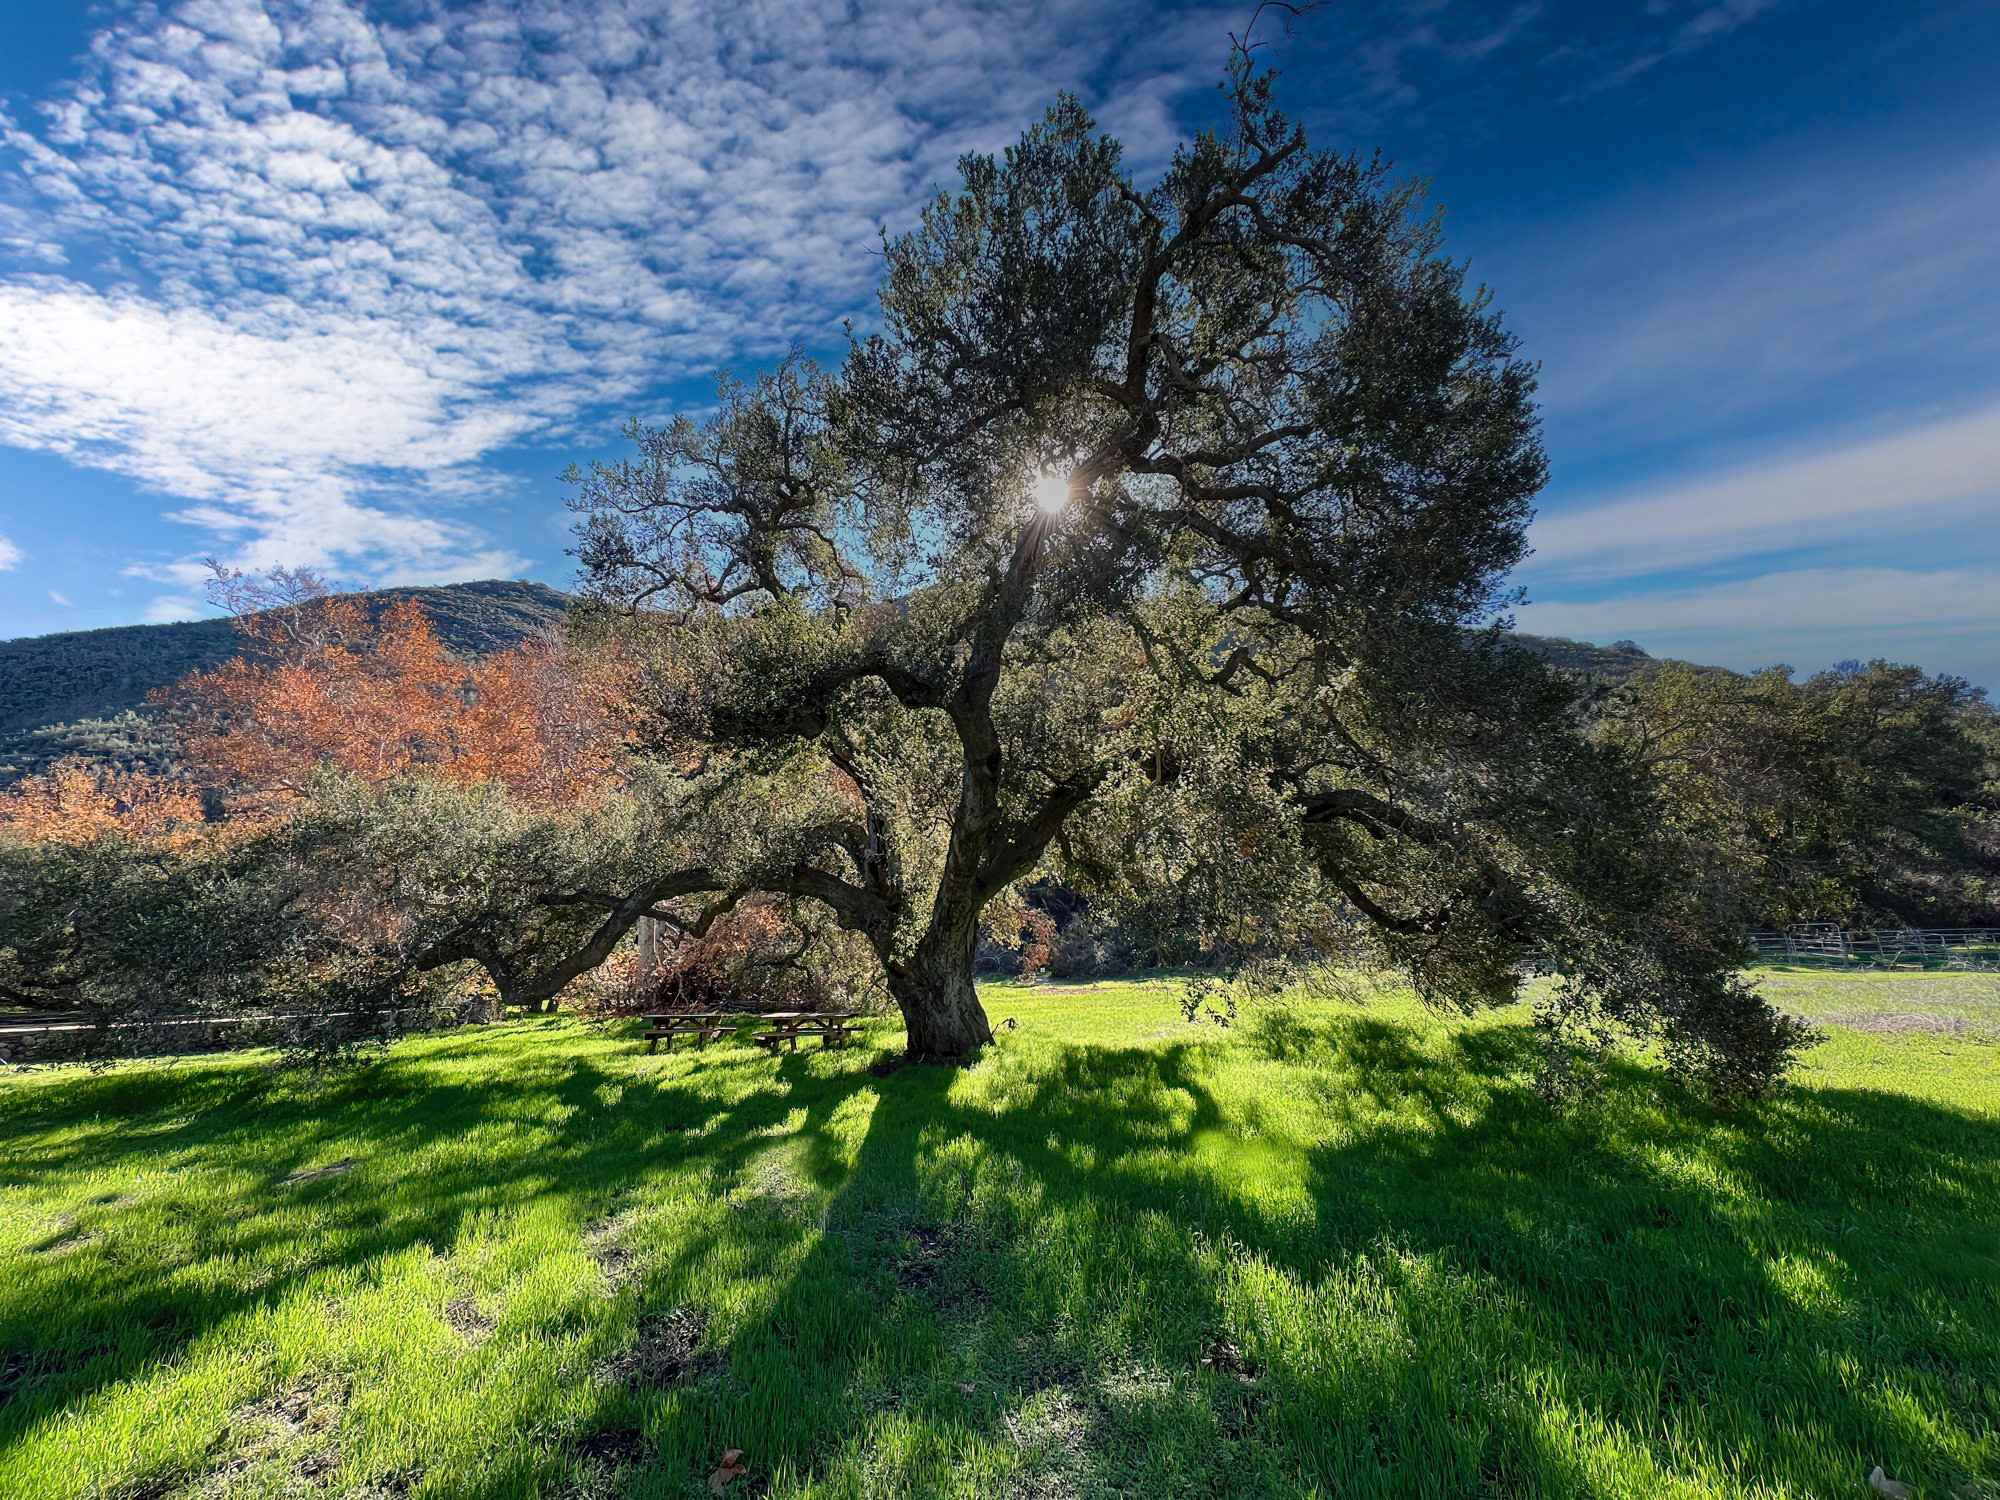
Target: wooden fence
{"type": "Point", "coordinates": [1829, 946]}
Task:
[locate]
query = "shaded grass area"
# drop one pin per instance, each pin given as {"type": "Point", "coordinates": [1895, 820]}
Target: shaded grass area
{"type": "Point", "coordinates": [1338, 1250]}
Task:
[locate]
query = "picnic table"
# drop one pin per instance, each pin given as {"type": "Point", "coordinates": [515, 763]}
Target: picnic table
{"type": "Point", "coordinates": [704, 1026]}
{"type": "Point", "coordinates": [832, 1027]}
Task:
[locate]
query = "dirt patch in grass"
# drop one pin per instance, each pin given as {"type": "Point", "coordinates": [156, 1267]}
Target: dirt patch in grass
{"type": "Point", "coordinates": [1052, 1431]}
{"type": "Point", "coordinates": [268, 1430]}
{"type": "Point", "coordinates": [621, 1448]}
{"type": "Point", "coordinates": [464, 1315]}
{"type": "Point", "coordinates": [603, 1457]}
{"type": "Point", "coordinates": [920, 1267]}
{"type": "Point", "coordinates": [1224, 1356]}
{"type": "Point", "coordinates": [948, 1271]}
{"type": "Point", "coordinates": [663, 1352]}
{"type": "Point", "coordinates": [318, 1466]}
{"type": "Point", "coordinates": [619, 1265]}
{"type": "Point", "coordinates": [64, 1245]}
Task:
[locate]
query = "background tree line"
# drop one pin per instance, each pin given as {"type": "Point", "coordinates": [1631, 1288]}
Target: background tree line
{"type": "Point", "coordinates": [335, 782]}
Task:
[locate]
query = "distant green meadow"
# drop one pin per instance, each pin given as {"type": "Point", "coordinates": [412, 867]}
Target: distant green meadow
{"type": "Point", "coordinates": [1334, 1250]}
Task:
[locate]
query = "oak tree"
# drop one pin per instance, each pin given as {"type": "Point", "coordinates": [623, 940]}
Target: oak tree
{"type": "Point", "coordinates": [1157, 539]}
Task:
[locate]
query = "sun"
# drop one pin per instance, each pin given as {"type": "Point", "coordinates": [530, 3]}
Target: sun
{"type": "Point", "coordinates": [1051, 493]}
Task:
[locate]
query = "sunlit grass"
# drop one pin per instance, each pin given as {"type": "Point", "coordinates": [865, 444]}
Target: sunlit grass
{"type": "Point", "coordinates": [1337, 1250]}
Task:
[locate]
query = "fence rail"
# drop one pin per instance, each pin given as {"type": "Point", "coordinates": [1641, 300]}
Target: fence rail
{"type": "Point", "coordinates": [1882, 947]}
{"type": "Point", "coordinates": [1973, 949]}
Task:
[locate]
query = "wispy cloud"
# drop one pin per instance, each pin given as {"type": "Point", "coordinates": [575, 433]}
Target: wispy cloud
{"type": "Point", "coordinates": [1446, 58]}
{"type": "Point", "coordinates": [1858, 601]}
{"type": "Point", "coordinates": [58, 598]}
{"type": "Point", "coordinates": [1679, 27]}
{"type": "Point", "coordinates": [1761, 291]}
{"type": "Point", "coordinates": [1945, 620]}
{"type": "Point", "coordinates": [1928, 476]}
{"type": "Point", "coordinates": [342, 255]}
{"type": "Point", "coordinates": [10, 555]}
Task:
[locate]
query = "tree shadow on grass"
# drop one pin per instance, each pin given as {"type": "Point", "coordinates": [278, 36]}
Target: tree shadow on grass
{"type": "Point", "coordinates": [1637, 1285]}
{"type": "Point", "coordinates": [219, 1172]}
{"type": "Point", "coordinates": [1424, 1281]}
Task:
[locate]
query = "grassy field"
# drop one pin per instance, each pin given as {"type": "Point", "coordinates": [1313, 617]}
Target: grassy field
{"type": "Point", "coordinates": [1334, 1251]}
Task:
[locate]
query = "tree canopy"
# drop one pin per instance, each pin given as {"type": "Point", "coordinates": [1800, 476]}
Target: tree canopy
{"type": "Point", "coordinates": [1157, 539]}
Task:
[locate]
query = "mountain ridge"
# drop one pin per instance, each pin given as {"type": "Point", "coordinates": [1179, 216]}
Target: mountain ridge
{"type": "Point", "coordinates": [83, 692]}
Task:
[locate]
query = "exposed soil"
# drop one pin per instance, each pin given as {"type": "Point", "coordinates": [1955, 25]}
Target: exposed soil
{"type": "Point", "coordinates": [464, 1315]}
{"type": "Point", "coordinates": [621, 1448]}
{"type": "Point", "coordinates": [303, 1416]}
{"type": "Point", "coordinates": [920, 1267]}
{"type": "Point", "coordinates": [616, 1262]}
{"type": "Point", "coordinates": [1224, 1356]}
{"type": "Point", "coordinates": [663, 1351]}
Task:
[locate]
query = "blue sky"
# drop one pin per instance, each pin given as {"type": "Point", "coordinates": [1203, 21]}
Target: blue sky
{"type": "Point", "coordinates": [346, 285]}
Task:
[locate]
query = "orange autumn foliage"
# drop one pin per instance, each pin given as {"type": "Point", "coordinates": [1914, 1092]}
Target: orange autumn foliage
{"type": "Point", "coordinates": [321, 683]}
{"type": "Point", "coordinates": [75, 804]}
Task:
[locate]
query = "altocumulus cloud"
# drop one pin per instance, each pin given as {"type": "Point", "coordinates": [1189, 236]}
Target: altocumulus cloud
{"type": "Point", "coordinates": [303, 266]}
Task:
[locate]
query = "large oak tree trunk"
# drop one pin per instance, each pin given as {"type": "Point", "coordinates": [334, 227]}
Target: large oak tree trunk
{"type": "Point", "coordinates": [941, 1011]}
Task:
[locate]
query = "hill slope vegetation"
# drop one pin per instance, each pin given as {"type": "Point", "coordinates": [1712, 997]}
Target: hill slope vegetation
{"type": "Point", "coordinates": [84, 691]}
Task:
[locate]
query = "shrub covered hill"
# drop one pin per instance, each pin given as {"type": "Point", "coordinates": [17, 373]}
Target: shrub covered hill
{"type": "Point", "coordinates": [83, 692]}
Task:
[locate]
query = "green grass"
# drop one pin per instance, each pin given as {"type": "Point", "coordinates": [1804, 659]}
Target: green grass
{"type": "Point", "coordinates": [1335, 1251]}
{"type": "Point", "coordinates": [1936, 1001]}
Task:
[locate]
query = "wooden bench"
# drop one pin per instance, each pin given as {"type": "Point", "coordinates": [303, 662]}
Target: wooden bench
{"type": "Point", "coordinates": [835, 1035]}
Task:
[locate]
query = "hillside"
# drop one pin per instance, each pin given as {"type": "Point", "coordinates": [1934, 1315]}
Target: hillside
{"type": "Point", "coordinates": [1618, 662]}
{"type": "Point", "coordinates": [84, 691]}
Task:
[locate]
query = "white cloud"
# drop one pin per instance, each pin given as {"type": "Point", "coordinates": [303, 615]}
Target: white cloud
{"type": "Point", "coordinates": [277, 439]}
{"type": "Point", "coordinates": [1946, 620]}
{"type": "Point", "coordinates": [1749, 294]}
{"type": "Point", "coordinates": [166, 608]}
{"type": "Point", "coordinates": [59, 599]}
{"type": "Point", "coordinates": [10, 555]}
{"type": "Point", "coordinates": [1854, 599]}
{"type": "Point", "coordinates": [1921, 477]}
{"type": "Point", "coordinates": [349, 255]}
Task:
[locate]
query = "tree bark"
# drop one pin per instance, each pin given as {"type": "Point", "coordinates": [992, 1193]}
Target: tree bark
{"type": "Point", "coordinates": [942, 1017]}
{"type": "Point", "coordinates": [651, 950]}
